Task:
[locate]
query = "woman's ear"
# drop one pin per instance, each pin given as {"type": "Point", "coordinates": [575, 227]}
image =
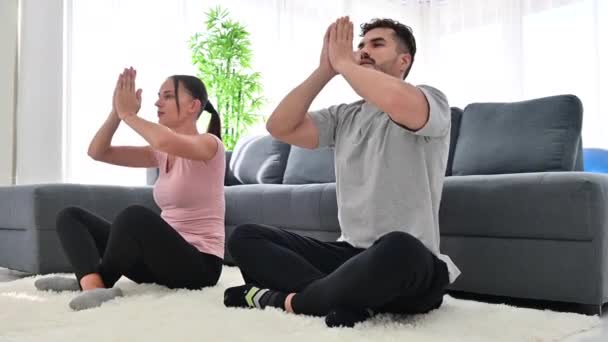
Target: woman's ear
{"type": "Point", "coordinates": [196, 106]}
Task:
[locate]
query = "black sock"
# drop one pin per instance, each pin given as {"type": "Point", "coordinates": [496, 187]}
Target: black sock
{"type": "Point", "coordinates": [346, 318]}
{"type": "Point", "coordinates": [249, 296]}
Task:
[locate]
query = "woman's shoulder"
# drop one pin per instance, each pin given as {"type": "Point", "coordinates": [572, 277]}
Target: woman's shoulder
{"type": "Point", "coordinates": [221, 149]}
{"type": "Point", "coordinates": [214, 137]}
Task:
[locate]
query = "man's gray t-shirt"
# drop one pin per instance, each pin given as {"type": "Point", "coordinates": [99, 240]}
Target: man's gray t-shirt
{"type": "Point", "coordinates": [388, 178]}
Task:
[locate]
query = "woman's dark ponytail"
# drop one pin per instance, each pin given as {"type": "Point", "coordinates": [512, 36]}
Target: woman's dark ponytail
{"type": "Point", "coordinates": [215, 124]}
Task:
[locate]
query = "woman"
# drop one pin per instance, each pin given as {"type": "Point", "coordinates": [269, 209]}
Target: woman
{"type": "Point", "coordinates": [184, 246]}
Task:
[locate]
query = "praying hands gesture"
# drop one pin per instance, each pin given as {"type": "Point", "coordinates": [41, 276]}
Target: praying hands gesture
{"type": "Point", "coordinates": [340, 41]}
{"type": "Point", "coordinates": [324, 63]}
{"type": "Point", "coordinates": [126, 100]}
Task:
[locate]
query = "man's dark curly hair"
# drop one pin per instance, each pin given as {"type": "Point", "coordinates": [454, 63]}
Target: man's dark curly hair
{"type": "Point", "coordinates": [403, 33]}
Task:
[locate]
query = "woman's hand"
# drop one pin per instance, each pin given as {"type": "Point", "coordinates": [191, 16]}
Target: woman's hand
{"type": "Point", "coordinates": [127, 101]}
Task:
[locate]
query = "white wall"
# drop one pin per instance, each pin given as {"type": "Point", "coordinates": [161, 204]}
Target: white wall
{"type": "Point", "coordinates": [8, 64]}
{"type": "Point", "coordinates": [40, 88]}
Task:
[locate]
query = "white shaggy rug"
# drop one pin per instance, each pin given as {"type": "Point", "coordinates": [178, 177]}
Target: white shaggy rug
{"type": "Point", "coordinates": [154, 313]}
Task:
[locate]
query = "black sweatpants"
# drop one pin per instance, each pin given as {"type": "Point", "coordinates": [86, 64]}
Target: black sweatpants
{"type": "Point", "coordinates": [397, 274]}
{"type": "Point", "coordinates": [139, 244]}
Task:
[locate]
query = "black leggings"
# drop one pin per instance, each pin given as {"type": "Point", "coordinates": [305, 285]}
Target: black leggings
{"type": "Point", "coordinates": [139, 244]}
{"type": "Point", "coordinates": [398, 274]}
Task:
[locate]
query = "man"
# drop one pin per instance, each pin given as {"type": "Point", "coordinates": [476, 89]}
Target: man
{"type": "Point", "coordinates": [391, 151]}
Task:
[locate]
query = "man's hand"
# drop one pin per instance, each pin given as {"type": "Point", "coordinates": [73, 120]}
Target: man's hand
{"type": "Point", "coordinates": [341, 44]}
{"type": "Point", "coordinates": [324, 64]}
{"type": "Point", "coordinates": [126, 99]}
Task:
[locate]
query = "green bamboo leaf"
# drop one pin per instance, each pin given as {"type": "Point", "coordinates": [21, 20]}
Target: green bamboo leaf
{"type": "Point", "coordinates": [222, 54]}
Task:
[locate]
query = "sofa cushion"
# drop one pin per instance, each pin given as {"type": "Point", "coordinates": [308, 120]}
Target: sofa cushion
{"type": "Point", "coordinates": [454, 132]}
{"type": "Point", "coordinates": [259, 160]}
{"type": "Point", "coordinates": [529, 136]}
{"type": "Point", "coordinates": [305, 166]}
{"type": "Point", "coordinates": [305, 207]}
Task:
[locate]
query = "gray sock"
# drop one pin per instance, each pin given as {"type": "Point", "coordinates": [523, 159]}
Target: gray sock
{"type": "Point", "coordinates": [94, 298]}
{"type": "Point", "coordinates": [56, 283]}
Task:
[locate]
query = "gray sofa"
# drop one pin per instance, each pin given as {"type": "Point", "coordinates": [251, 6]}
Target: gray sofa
{"type": "Point", "coordinates": [518, 215]}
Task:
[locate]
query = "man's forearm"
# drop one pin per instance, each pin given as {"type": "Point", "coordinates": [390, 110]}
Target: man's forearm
{"type": "Point", "coordinates": [292, 109]}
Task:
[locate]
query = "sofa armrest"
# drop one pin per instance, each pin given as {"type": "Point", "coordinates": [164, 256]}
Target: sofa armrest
{"type": "Point", "coordinates": [36, 206]}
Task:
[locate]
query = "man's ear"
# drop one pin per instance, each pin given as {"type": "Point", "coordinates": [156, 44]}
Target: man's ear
{"type": "Point", "coordinates": [405, 60]}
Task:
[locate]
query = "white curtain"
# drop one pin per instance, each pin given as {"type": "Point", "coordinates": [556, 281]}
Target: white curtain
{"type": "Point", "coordinates": [473, 50]}
{"type": "Point", "coordinates": [511, 50]}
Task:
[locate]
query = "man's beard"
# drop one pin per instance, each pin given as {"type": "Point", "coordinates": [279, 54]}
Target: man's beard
{"type": "Point", "coordinates": [386, 67]}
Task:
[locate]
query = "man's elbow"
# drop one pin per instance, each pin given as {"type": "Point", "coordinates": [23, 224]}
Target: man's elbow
{"type": "Point", "coordinates": [270, 126]}
{"type": "Point", "coordinates": [276, 128]}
